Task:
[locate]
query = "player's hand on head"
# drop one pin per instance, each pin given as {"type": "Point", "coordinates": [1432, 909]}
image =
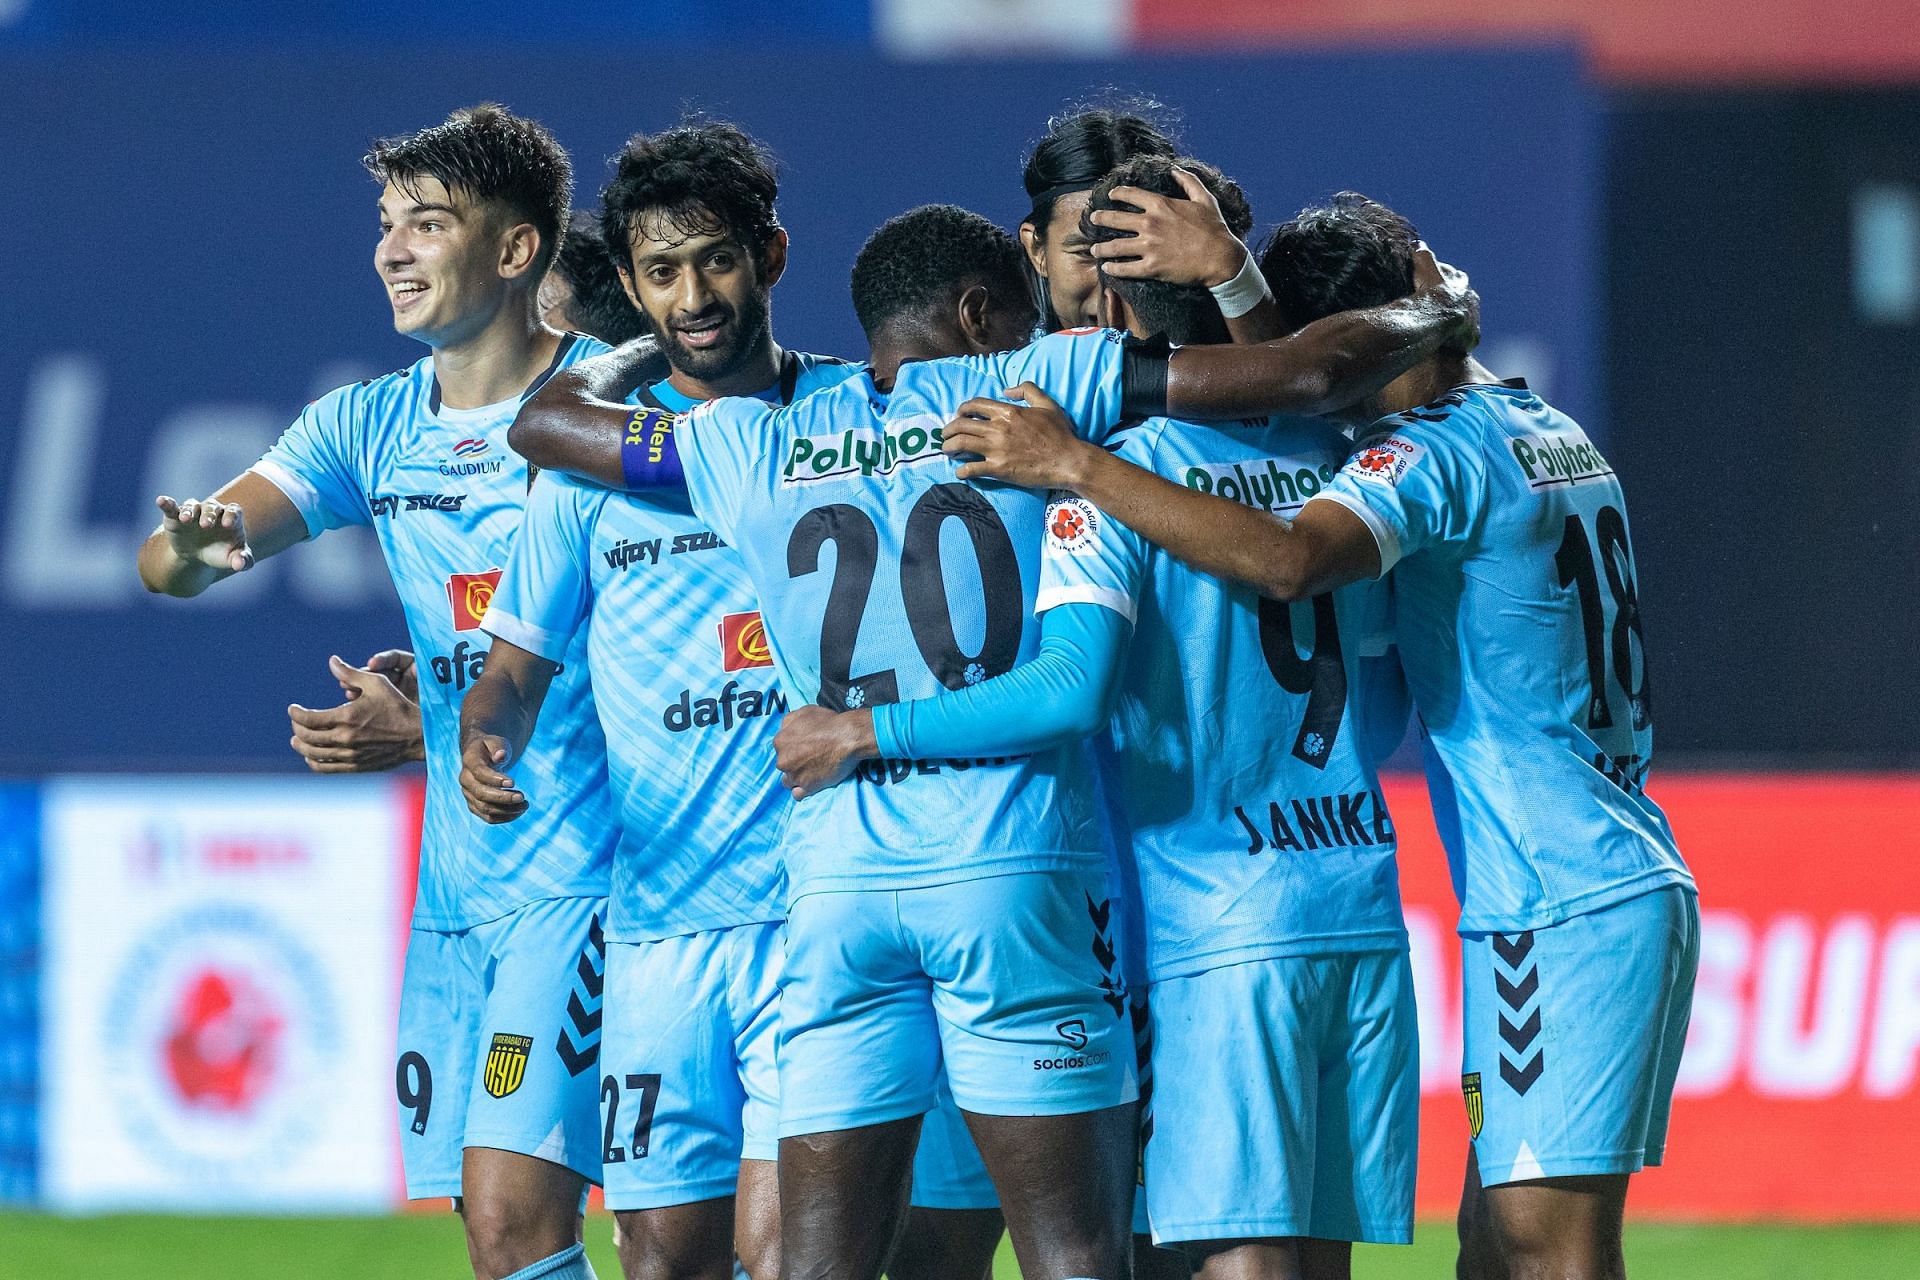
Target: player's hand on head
{"type": "Point", "coordinates": [204, 531]}
{"type": "Point", "coordinates": [1449, 288]}
{"type": "Point", "coordinates": [815, 749]}
{"type": "Point", "coordinates": [1032, 443]}
{"type": "Point", "coordinates": [489, 792]}
{"type": "Point", "coordinates": [377, 726]}
{"type": "Point", "coordinates": [1177, 241]}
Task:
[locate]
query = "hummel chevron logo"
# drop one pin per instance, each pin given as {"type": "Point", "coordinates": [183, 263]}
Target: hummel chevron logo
{"type": "Point", "coordinates": [1517, 994]}
{"type": "Point", "coordinates": [1520, 1037]}
{"type": "Point", "coordinates": [1512, 953]}
{"type": "Point", "coordinates": [1520, 1079]}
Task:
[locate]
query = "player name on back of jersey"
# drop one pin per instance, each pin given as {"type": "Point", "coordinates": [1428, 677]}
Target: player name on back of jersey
{"type": "Point", "coordinates": [863, 452]}
{"type": "Point", "coordinates": [1565, 458]}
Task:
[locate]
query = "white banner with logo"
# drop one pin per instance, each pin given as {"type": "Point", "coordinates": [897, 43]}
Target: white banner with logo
{"type": "Point", "coordinates": [220, 978]}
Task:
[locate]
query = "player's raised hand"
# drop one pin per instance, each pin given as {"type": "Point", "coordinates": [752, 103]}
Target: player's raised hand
{"type": "Point", "coordinates": [377, 726]}
{"type": "Point", "coordinates": [1031, 443]}
{"type": "Point", "coordinates": [204, 531]}
{"type": "Point", "coordinates": [490, 793]}
{"type": "Point", "coordinates": [1178, 241]}
{"type": "Point", "coordinates": [1448, 286]}
{"type": "Point", "coordinates": [817, 748]}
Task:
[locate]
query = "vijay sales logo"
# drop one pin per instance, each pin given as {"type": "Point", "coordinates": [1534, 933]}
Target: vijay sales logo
{"type": "Point", "coordinates": [393, 504]}
{"type": "Point", "coordinates": [466, 459]}
{"type": "Point", "coordinates": [862, 453]}
{"type": "Point", "coordinates": [1385, 460]}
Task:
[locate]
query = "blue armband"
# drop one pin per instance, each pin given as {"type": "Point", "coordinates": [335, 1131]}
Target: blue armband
{"type": "Point", "coordinates": [649, 458]}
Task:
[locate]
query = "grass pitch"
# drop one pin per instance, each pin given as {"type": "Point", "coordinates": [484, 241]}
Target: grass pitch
{"type": "Point", "coordinates": [40, 1247]}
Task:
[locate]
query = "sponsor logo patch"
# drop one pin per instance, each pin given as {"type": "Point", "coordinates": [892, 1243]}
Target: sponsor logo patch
{"type": "Point", "coordinates": [743, 642]}
{"type": "Point", "coordinates": [506, 1063]}
{"type": "Point", "coordinates": [1073, 525]}
{"type": "Point", "coordinates": [470, 448]}
{"type": "Point", "coordinates": [1385, 461]}
{"type": "Point", "coordinates": [864, 453]}
{"type": "Point", "coordinates": [1550, 461]}
{"type": "Point", "coordinates": [468, 595]}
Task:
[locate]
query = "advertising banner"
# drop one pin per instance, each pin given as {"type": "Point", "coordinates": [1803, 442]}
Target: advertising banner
{"type": "Point", "coordinates": [219, 982]}
{"type": "Point", "coordinates": [1799, 1095]}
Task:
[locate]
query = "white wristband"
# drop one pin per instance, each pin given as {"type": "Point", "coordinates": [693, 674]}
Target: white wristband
{"type": "Point", "coordinates": [1243, 293]}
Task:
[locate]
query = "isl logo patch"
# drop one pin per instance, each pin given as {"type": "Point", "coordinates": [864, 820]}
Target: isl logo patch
{"type": "Point", "coordinates": [743, 642]}
{"type": "Point", "coordinates": [1073, 525]}
{"type": "Point", "coordinates": [1385, 460]}
{"type": "Point", "coordinates": [506, 1063]}
{"type": "Point", "coordinates": [468, 595]}
{"type": "Point", "coordinates": [1476, 1113]}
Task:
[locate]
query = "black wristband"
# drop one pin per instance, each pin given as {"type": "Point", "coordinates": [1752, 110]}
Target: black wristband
{"type": "Point", "coordinates": [1143, 378]}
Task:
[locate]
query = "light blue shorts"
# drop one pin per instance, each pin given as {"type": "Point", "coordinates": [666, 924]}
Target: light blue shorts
{"type": "Point", "coordinates": [499, 1042]}
{"type": "Point", "coordinates": [1573, 1038]}
{"type": "Point", "coordinates": [688, 1086]}
{"type": "Point", "coordinates": [1009, 981]}
{"type": "Point", "coordinates": [1286, 1101]}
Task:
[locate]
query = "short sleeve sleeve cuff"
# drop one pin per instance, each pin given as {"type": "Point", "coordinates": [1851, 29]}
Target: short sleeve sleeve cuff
{"type": "Point", "coordinates": [1052, 597]}
{"type": "Point", "coordinates": [1383, 534]}
{"type": "Point", "coordinates": [304, 497]}
{"type": "Point", "coordinates": [518, 631]}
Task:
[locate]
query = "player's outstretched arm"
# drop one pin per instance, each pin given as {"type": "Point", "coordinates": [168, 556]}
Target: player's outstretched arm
{"type": "Point", "coordinates": [1033, 444]}
{"type": "Point", "coordinates": [1188, 242]}
{"type": "Point", "coordinates": [375, 727]}
{"type": "Point", "coordinates": [1060, 695]}
{"type": "Point", "coordinates": [1333, 362]}
{"type": "Point", "coordinates": [577, 423]}
{"type": "Point", "coordinates": [202, 540]}
{"type": "Point", "coordinates": [496, 720]}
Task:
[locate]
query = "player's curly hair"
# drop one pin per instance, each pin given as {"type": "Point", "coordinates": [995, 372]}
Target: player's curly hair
{"type": "Point", "coordinates": [492, 156]}
{"type": "Point", "coordinates": [599, 303]}
{"type": "Point", "coordinates": [1183, 313]}
{"type": "Point", "coordinates": [927, 257]}
{"type": "Point", "coordinates": [1350, 252]}
{"type": "Point", "coordinates": [702, 177]}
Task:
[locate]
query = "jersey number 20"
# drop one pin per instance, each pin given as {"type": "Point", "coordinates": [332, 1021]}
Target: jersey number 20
{"type": "Point", "coordinates": [923, 588]}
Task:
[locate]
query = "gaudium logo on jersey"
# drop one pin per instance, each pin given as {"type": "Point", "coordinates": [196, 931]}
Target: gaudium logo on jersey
{"type": "Point", "coordinates": [1271, 484]}
{"type": "Point", "coordinates": [469, 459]}
{"type": "Point", "coordinates": [1385, 460]}
{"type": "Point", "coordinates": [862, 453]}
{"type": "Point", "coordinates": [1073, 526]}
{"type": "Point", "coordinates": [743, 642]}
{"type": "Point", "coordinates": [1547, 461]}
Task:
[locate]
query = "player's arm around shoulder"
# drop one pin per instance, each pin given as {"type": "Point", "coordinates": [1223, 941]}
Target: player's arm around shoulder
{"type": "Point", "coordinates": [579, 421]}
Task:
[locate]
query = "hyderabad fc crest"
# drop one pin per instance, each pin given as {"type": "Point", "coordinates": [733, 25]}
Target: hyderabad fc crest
{"type": "Point", "coordinates": [506, 1063]}
{"type": "Point", "coordinates": [1470, 1090]}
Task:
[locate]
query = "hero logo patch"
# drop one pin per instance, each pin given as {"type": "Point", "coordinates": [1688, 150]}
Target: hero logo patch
{"type": "Point", "coordinates": [1385, 461]}
{"type": "Point", "coordinates": [1073, 525]}
{"type": "Point", "coordinates": [468, 595]}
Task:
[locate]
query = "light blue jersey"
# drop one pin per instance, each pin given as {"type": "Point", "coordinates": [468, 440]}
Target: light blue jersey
{"type": "Point", "coordinates": [1250, 823]}
{"type": "Point", "coordinates": [882, 578]}
{"type": "Point", "coordinates": [1519, 626]}
{"type": "Point", "coordinates": [445, 495]}
{"type": "Point", "coordinates": [683, 679]}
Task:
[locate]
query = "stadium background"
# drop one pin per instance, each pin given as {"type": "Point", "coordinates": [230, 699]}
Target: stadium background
{"type": "Point", "coordinates": [1695, 225]}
